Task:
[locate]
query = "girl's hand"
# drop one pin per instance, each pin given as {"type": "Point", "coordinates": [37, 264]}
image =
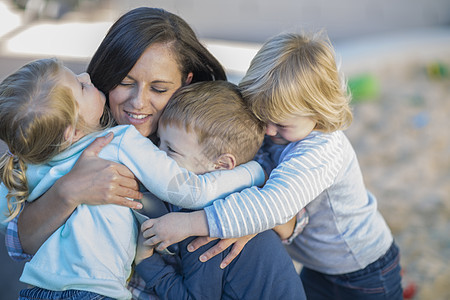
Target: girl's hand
{"type": "Point", "coordinates": [97, 181]}
{"type": "Point", "coordinates": [173, 228]}
{"type": "Point", "coordinates": [238, 245]}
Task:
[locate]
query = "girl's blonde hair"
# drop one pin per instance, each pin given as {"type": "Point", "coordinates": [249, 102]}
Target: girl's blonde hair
{"type": "Point", "coordinates": [35, 111]}
{"type": "Point", "coordinates": [296, 74]}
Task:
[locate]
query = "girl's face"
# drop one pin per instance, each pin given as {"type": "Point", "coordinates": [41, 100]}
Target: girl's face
{"type": "Point", "coordinates": [91, 101]}
{"type": "Point", "coordinates": [292, 129]}
{"type": "Point", "coordinates": [142, 95]}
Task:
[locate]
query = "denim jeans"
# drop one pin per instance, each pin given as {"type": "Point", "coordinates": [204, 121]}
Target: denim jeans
{"type": "Point", "coordinates": [379, 280]}
{"type": "Point", "coordinates": [42, 294]}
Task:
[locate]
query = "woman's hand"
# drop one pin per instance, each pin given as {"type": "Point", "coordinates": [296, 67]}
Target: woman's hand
{"type": "Point", "coordinates": [91, 181]}
{"type": "Point", "coordinates": [96, 181]}
{"type": "Point", "coordinates": [238, 245]}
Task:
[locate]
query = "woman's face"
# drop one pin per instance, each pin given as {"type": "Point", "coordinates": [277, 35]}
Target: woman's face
{"type": "Point", "coordinates": [142, 95]}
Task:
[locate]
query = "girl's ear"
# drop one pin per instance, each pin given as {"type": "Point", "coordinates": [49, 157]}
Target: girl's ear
{"type": "Point", "coordinates": [225, 162]}
{"type": "Point", "coordinates": [72, 135]}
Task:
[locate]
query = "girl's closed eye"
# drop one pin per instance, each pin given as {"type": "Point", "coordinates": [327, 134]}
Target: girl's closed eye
{"type": "Point", "coordinates": [169, 149]}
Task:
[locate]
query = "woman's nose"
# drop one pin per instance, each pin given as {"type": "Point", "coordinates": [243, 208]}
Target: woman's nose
{"type": "Point", "coordinates": [271, 129]}
{"type": "Point", "coordinates": [140, 98]}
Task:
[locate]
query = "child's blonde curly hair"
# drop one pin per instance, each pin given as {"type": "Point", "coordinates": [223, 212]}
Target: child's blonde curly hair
{"type": "Point", "coordinates": [295, 74]}
{"type": "Point", "coordinates": [35, 111]}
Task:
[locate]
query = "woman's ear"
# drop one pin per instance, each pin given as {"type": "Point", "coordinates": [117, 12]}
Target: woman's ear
{"type": "Point", "coordinates": [189, 78]}
{"type": "Point", "coordinates": [225, 162]}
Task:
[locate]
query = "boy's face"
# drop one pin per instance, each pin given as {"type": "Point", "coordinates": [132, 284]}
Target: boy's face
{"type": "Point", "coordinates": [291, 129]}
{"type": "Point", "coordinates": [184, 148]}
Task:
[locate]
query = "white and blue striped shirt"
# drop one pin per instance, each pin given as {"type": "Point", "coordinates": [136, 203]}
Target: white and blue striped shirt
{"type": "Point", "coordinates": [321, 173]}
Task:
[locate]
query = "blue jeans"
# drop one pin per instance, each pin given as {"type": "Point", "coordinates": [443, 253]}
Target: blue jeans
{"type": "Point", "coordinates": [379, 280]}
{"type": "Point", "coordinates": [43, 294]}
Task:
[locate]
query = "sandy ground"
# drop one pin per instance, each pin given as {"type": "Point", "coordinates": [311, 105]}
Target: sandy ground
{"type": "Point", "coordinates": [402, 140]}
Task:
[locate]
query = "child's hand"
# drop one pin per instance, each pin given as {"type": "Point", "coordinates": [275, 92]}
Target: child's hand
{"type": "Point", "coordinates": [142, 251]}
{"type": "Point", "coordinates": [173, 227]}
{"type": "Point", "coordinates": [238, 245]}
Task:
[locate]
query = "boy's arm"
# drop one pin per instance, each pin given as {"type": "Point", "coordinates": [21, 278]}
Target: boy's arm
{"type": "Point", "coordinates": [167, 283]}
{"type": "Point", "coordinates": [162, 176]}
{"type": "Point", "coordinates": [284, 231]}
{"type": "Point", "coordinates": [173, 228]}
{"type": "Point", "coordinates": [309, 168]}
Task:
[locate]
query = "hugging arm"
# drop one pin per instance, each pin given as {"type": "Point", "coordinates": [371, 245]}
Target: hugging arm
{"type": "Point", "coordinates": [91, 181]}
{"type": "Point", "coordinates": [174, 227]}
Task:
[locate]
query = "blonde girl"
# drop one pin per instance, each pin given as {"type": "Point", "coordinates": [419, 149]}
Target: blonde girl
{"type": "Point", "coordinates": [48, 116]}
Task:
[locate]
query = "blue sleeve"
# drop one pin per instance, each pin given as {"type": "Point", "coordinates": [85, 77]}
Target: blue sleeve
{"type": "Point", "coordinates": [197, 279]}
{"type": "Point", "coordinates": [162, 176]}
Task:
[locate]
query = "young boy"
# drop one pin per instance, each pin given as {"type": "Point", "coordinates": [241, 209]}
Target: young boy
{"type": "Point", "coordinates": [205, 127]}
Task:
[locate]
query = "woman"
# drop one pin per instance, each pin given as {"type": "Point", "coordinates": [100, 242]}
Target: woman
{"type": "Point", "coordinates": [145, 57]}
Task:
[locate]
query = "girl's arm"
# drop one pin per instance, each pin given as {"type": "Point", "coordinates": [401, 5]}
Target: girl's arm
{"type": "Point", "coordinates": [91, 181]}
{"type": "Point", "coordinates": [162, 176]}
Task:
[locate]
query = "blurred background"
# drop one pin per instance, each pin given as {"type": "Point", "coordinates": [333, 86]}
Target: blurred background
{"type": "Point", "coordinates": [395, 55]}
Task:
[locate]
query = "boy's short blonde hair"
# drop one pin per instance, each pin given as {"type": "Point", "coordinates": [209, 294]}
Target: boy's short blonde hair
{"type": "Point", "coordinates": [297, 74]}
{"type": "Point", "coordinates": [216, 112]}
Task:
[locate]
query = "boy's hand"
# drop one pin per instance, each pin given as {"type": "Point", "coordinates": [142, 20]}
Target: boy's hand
{"type": "Point", "coordinates": [142, 251]}
{"type": "Point", "coordinates": [238, 245]}
{"type": "Point", "coordinates": [173, 228]}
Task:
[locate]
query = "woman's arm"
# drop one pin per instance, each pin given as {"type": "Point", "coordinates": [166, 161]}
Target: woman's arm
{"type": "Point", "coordinates": [91, 181]}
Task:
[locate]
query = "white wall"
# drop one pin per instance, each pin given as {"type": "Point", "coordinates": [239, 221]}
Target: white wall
{"type": "Point", "coordinates": [257, 20]}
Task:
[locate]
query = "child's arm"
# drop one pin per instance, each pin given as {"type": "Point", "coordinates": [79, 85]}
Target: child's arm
{"type": "Point", "coordinates": [284, 231]}
{"type": "Point", "coordinates": [167, 283]}
{"type": "Point", "coordinates": [91, 181]}
{"type": "Point", "coordinates": [299, 179]}
{"type": "Point", "coordinates": [173, 228]}
{"type": "Point", "coordinates": [162, 176]}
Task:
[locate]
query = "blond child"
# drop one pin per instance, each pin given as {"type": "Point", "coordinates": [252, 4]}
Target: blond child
{"type": "Point", "coordinates": [347, 249]}
{"type": "Point", "coordinates": [204, 127]}
{"type": "Point", "coordinates": [48, 116]}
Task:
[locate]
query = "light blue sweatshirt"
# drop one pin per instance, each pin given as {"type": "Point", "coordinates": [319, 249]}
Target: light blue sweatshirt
{"type": "Point", "coordinates": [94, 249]}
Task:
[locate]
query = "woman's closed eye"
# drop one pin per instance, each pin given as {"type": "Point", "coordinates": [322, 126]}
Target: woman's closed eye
{"type": "Point", "coordinates": [159, 90]}
{"type": "Point", "coordinates": [126, 83]}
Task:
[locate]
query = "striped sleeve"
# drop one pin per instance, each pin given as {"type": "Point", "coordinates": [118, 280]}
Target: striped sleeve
{"type": "Point", "coordinates": [308, 168]}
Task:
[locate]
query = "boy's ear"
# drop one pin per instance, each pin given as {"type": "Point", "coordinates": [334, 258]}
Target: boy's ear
{"type": "Point", "coordinates": [225, 162]}
{"type": "Point", "coordinates": [72, 135]}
